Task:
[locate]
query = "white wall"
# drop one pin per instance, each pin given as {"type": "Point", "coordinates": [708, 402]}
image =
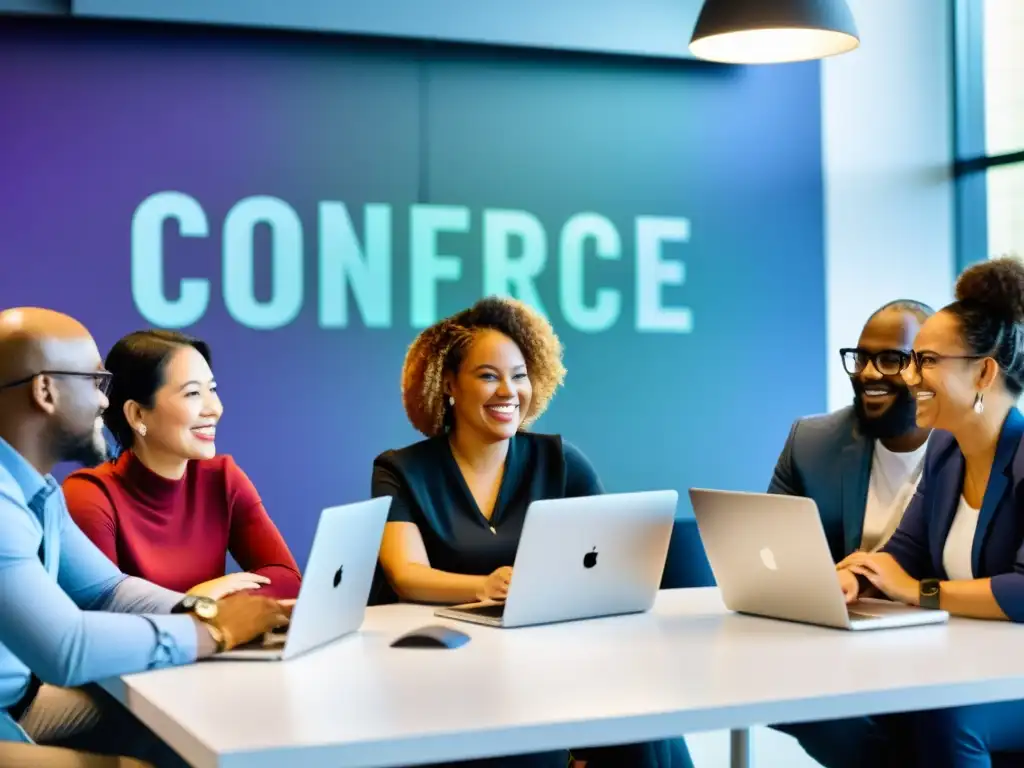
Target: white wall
{"type": "Point", "coordinates": [887, 143]}
{"type": "Point", "coordinates": [888, 146]}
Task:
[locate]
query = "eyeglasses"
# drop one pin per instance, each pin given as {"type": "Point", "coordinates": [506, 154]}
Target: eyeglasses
{"type": "Point", "coordinates": [101, 379]}
{"type": "Point", "coordinates": [930, 359]}
{"type": "Point", "coordinates": [890, 362]}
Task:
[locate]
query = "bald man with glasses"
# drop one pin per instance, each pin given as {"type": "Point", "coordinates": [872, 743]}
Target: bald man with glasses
{"type": "Point", "coordinates": [68, 616]}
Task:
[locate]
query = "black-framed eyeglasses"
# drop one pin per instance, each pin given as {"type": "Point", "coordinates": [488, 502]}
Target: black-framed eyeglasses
{"type": "Point", "coordinates": [101, 379]}
{"type": "Point", "coordinates": [890, 362]}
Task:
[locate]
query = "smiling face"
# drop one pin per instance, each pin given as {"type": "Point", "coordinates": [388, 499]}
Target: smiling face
{"type": "Point", "coordinates": [492, 388]}
{"type": "Point", "coordinates": [948, 377]}
{"type": "Point", "coordinates": [79, 423]}
{"type": "Point", "coordinates": [883, 405]}
{"type": "Point", "coordinates": [183, 420]}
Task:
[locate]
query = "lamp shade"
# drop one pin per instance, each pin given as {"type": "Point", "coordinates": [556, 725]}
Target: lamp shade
{"type": "Point", "coordinates": [773, 31]}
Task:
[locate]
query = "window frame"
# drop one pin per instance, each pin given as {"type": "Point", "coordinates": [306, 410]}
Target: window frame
{"type": "Point", "coordinates": [972, 161]}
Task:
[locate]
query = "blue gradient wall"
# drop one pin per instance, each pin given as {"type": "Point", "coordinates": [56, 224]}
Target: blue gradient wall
{"type": "Point", "coordinates": [277, 195]}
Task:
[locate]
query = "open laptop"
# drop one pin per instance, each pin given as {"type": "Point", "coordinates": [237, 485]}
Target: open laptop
{"type": "Point", "coordinates": [583, 558]}
{"type": "Point", "coordinates": [770, 558]}
{"type": "Point", "coordinates": [335, 586]}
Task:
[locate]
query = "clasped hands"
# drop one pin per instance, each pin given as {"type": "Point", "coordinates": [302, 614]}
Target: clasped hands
{"type": "Point", "coordinates": [884, 573]}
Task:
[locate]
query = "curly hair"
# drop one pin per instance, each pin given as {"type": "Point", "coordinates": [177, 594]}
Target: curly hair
{"type": "Point", "coordinates": [990, 308]}
{"type": "Point", "coordinates": [441, 348]}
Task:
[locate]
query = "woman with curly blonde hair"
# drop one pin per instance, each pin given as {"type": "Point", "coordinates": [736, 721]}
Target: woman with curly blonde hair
{"type": "Point", "coordinates": [472, 384]}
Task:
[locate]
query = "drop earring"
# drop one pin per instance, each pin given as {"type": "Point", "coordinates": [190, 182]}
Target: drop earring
{"type": "Point", "coordinates": [979, 403]}
{"type": "Point", "coordinates": [142, 430]}
{"type": "Point", "coordinates": [451, 399]}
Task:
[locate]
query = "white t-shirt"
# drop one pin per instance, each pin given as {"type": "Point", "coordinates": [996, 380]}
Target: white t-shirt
{"type": "Point", "coordinates": [894, 478]}
{"type": "Point", "coordinates": [956, 554]}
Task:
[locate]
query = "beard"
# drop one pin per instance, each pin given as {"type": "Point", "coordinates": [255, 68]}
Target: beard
{"type": "Point", "coordinates": [899, 418]}
{"type": "Point", "coordinates": [88, 448]}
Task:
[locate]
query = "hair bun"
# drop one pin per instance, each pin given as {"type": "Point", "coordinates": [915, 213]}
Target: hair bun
{"type": "Point", "coordinates": [997, 284]}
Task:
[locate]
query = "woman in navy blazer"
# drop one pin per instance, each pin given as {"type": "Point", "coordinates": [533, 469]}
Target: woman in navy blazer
{"type": "Point", "coordinates": [960, 546]}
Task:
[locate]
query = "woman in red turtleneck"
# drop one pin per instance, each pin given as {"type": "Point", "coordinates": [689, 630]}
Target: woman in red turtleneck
{"type": "Point", "coordinates": [169, 510]}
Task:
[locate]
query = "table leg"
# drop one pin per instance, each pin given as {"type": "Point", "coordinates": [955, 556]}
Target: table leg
{"type": "Point", "coordinates": [739, 748]}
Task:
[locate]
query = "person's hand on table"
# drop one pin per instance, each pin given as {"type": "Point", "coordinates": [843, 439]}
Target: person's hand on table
{"type": "Point", "coordinates": [219, 588]}
{"type": "Point", "coordinates": [495, 586]}
{"type": "Point", "coordinates": [243, 618]}
{"type": "Point", "coordinates": [885, 574]}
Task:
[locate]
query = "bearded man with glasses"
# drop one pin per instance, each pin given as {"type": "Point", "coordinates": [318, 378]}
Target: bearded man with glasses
{"type": "Point", "coordinates": [72, 439]}
{"type": "Point", "coordinates": [861, 465]}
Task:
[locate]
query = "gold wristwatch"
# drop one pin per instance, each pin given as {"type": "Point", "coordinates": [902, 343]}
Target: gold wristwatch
{"type": "Point", "coordinates": [204, 609]}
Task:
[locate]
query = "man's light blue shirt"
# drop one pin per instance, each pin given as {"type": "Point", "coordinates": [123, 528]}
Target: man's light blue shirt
{"type": "Point", "coordinates": [67, 617]}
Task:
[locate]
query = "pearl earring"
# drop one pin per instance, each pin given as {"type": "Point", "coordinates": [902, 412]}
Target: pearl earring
{"type": "Point", "coordinates": [451, 399]}
{"type": "Point", "coordinates": [142, 430]}
{"type": "Point", "coordinates": [979, 403]}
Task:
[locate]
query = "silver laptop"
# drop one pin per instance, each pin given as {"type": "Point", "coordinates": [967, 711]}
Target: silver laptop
{"type": "Point", "coordinates": [583, 558]}
{"type": "Point", "coordinates": [770, 558]}
{"type": "Point", "coordinates": [335, 586]}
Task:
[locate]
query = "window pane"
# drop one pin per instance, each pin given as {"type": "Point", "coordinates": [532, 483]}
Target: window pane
{"type": "Point", "coordinates": [1004, 75]}
{"type": "Point", "coordinates": [1006, 210]}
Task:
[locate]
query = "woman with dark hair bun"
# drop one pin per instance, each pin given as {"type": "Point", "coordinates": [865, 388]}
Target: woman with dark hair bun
{"type": "Point", "coordinates": [168, 509]}
{"type": "Point", "coordinates": [960, 546]}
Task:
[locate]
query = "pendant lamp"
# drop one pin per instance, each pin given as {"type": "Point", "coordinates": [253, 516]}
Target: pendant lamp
{"type": "Point", "coordinates": [773, 31]}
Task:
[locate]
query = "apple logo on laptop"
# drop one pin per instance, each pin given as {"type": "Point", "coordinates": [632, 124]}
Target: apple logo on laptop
{"type": "Point", "coordinates": [768, 558]}
{"type": "Point", "coordinates": [590, 559]}
{"type": "Point", "coordinates": [337, 576]}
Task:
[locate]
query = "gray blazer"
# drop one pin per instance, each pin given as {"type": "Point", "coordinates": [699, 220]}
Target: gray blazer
{"type": "Point", "coordinates": [826, 459]}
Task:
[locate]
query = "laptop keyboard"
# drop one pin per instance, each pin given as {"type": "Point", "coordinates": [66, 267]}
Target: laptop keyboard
{"type": "Point", "coordinates": [859, 615]}
{"type": "Point", "coordinates": [492, 611]}
{"type": "Point", "coordinates": [268, 641]}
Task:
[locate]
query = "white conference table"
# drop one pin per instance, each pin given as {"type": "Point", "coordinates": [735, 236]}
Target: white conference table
{"type": "Point", "coordinates": [687, 666]}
